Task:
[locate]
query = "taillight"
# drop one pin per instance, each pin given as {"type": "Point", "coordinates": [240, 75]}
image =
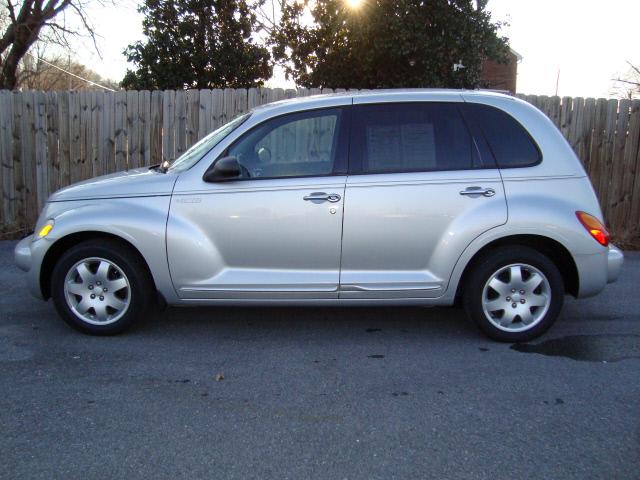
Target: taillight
{"type": "Point", "coordinates": [597, 230]}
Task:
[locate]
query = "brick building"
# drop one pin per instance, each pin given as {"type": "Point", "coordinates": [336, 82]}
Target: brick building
{"type": "Point", "coordinates": [501, 76]}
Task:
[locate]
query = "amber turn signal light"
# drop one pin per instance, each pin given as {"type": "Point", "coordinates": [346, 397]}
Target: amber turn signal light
{"type": "Point", "coordinates": [597, 230]}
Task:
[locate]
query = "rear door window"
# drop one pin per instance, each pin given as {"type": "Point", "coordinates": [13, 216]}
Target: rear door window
{"type": "Point", "coordinates": [410, 137]}
{"type": "Point", "coordinates": [511, 144]}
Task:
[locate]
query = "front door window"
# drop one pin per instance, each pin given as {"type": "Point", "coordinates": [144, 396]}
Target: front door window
{"type": "Point", "coordinates": [297, 145]}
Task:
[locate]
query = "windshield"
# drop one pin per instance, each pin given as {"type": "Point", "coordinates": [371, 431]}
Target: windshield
{"type": "Point", "coordinates": [200, 149]}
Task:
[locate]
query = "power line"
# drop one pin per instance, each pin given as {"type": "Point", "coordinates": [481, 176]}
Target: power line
{"type": "Point", "coordinates": [69, 73]}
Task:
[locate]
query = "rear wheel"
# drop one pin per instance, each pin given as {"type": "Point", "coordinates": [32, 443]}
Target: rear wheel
{"type": "Point", "coordinates": [100, 287]}
{"type": "Point", "coordinates": [514, 294]}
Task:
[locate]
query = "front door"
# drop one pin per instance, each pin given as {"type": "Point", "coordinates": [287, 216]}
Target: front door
{"type": "Point", "coordinates": [276, 231]}
{"type": "Point", "coordinates": [423, 188]}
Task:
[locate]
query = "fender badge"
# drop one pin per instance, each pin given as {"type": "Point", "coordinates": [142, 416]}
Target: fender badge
{"type": "Point", "coordinates": [189, 199]}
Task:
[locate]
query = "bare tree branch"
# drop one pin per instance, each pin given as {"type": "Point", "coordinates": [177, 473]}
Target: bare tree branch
{"type": "Point", "coordinates": [634, 68]}
{"type": "Point", "coordinates": [627, 85]}
{"type": "Point", "coordinates": [12, 12]}
{"type": "Point", "coordinates": [628, 82]}
{"type": "Point", "coordinates": [87, 25]}
{"type": "Point", "coordinates": [32, 21]}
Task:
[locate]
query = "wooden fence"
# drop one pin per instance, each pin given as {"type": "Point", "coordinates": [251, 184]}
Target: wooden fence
{"type": "Point", "coordinates": [51, 139]}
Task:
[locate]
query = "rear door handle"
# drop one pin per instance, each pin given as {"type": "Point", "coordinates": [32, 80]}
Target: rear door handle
{"type": "Point", "coordinates": [318, 197]}
{"type": "Point", "coordinates": [485, 192]}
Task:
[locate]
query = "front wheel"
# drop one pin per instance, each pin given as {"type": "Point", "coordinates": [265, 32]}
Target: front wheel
{"type": "Point", "coordinates": [100, 287]}
{"type": "Point", "coordinates": [514, 294]}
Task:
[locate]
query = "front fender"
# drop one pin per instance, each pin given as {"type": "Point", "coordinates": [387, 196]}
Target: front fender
{"type": "Point", "coordinates": [141, 221]}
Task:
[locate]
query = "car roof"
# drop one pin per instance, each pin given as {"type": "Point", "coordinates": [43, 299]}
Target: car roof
{"type": "Point", "coordinates": [381, 95]}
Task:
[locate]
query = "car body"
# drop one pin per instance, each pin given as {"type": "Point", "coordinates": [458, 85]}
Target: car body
{"type": "Point", "coordinates": [351, 224]}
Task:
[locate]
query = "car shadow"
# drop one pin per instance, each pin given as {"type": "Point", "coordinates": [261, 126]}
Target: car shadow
{"type": "Point", "coordinates": [327, 321]}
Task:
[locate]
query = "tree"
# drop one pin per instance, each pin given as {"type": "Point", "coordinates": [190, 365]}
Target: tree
{"type": "Point", "coordinates": [40, 72]}
{"type": "Point", "coordinates": [627, 85]}
{"type": "Point", "coordinates": [24, 22]}
{"type": "Point", "coordinates": [197, 44]}
{"type": "Point", "coordinates": [387, 43]}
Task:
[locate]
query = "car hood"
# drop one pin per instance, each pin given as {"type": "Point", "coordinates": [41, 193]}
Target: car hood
{"type": "Point", "coordinates": [138, 182]}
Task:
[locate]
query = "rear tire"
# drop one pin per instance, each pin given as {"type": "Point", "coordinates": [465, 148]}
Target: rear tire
{"type": "Point", "coordinates": [514, 294]}
{"type": "Point", "coordinates": [100, 287]}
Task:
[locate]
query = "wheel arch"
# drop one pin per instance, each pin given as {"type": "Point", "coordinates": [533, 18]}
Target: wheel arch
{"type": "Point", "coordinates": [62, 244]}
{"type": "Point", "coordinates": [549, 247]}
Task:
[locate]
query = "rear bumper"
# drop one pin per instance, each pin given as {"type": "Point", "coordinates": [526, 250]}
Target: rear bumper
{"type": "Point", "coordinates": [598, 269]}
{"type": "Point", "coordinates": [615, 259]}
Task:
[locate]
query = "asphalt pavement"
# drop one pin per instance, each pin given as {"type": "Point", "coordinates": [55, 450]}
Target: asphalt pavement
{"type": "Point", "coordinates": [319, 393]}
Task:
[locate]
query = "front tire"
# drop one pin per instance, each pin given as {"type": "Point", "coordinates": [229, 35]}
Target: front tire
{"type": "Point", "coordinates": [100, 287]}
{"type": "Point", "coordinates": [514, 294]}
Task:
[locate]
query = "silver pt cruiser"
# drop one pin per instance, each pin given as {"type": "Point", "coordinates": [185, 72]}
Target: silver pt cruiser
{"type": "Point", "coordinates": [405, 197]}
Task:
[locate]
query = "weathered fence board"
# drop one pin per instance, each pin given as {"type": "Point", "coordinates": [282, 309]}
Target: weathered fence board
{"type": "Point", "coordinates": [49, 140]}
{"type": "Point", "coordinates": [181, 123]}
{"type": "Point", "coordinates": [16, 153]}
{"type": "Point", "coordinates": [64, 139]}
{"type": "Point", "coordinates": [28, 143]}
{"type": "Point", "coordinates": [193, 115]}
{"type": "Point", "coordinates": [75, 170]}
{"type": "Point", "coordinates": [155, 128]}
{"type": "Point", "coordinates": [40, 138]}
{"type": "Point", "coordinates": [144, 109]}
{"type": "Point", "coordinates": [168, 125]}
{"type": "Point", "coordinates": [53, 136]}
{"type": "Point", "coordinates": [120, 132]}
{"type": "Point", "coordinates": [7, 186]}
{"type": "Point", "coordinates": [133, 137]}
{"type": "Point", "coordinates": [631, 168]}
{"type": "Point", "coordinates": [84, 161]}
{"type": "Point", "coordinates": [106, 135]}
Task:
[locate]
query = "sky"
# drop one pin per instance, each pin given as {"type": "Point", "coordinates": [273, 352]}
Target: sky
{"type": "Point", "coordinates": [588, 41]}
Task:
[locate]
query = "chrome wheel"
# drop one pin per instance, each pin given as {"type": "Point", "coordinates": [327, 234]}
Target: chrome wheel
{"type": "Point", "coordinates": [516, 297]}
{"type": "Point", "coordinates": [97, 291]}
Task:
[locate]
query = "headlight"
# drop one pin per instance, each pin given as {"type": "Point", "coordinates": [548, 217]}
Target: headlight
{"type": "Point", "coordinates": [46, 228]}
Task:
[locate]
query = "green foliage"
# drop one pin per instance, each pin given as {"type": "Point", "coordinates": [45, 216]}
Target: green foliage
{"type": "Point", "coordinates": [197, 44]}
{"type": "Point", "coordinates": [387, 43]}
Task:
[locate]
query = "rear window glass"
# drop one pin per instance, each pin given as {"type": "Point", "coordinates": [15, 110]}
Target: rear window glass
{"type": "Point", "coordinates": [510, 143]}
{"type": "Point", "coordinates": [412, 137]}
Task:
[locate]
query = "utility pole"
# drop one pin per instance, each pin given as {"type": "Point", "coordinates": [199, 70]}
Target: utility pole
{"type": "Point", "coordinates": [557, 82]}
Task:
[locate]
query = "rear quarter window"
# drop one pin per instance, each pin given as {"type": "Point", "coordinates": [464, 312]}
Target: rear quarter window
{"type": "Point", "coordinates": [511, 144]}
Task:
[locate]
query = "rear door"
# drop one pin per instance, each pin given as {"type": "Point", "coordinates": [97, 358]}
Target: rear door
{"type": "Point", "coordinates": [421, 188]}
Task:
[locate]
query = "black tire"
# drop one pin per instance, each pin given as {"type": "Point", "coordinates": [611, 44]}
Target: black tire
{"type": "Point", "coordinates": [483, 271]}
{"type": "Point", "coordinates": [140, 284]}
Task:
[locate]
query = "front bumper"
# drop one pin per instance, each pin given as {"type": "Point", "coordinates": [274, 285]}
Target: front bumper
{"type": "Point", "coordinates": [28, 256]}
{"type": "Point", "coordinates": [615, 259]}
{"type": "Point", "coordinates": [22, 253]}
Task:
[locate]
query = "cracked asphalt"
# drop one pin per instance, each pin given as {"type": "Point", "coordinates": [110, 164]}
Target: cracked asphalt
{"type": "Point", "coordinates": [326, 393]}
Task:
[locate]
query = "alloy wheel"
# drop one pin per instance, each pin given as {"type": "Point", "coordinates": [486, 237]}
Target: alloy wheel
{"type": "Point", "coordinates": [97, 291]}
{"type": "Point", "coordinates": [516, 297]}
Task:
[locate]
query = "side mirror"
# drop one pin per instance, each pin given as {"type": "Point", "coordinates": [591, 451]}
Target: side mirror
{"type": "Point", "coordinates": [225, 168]}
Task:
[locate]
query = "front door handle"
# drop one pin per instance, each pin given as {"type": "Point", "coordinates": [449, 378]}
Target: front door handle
{"type": "Point", "coordinates": [485, 192]}
{"type": "Point", "coordinates": [319, 197]}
